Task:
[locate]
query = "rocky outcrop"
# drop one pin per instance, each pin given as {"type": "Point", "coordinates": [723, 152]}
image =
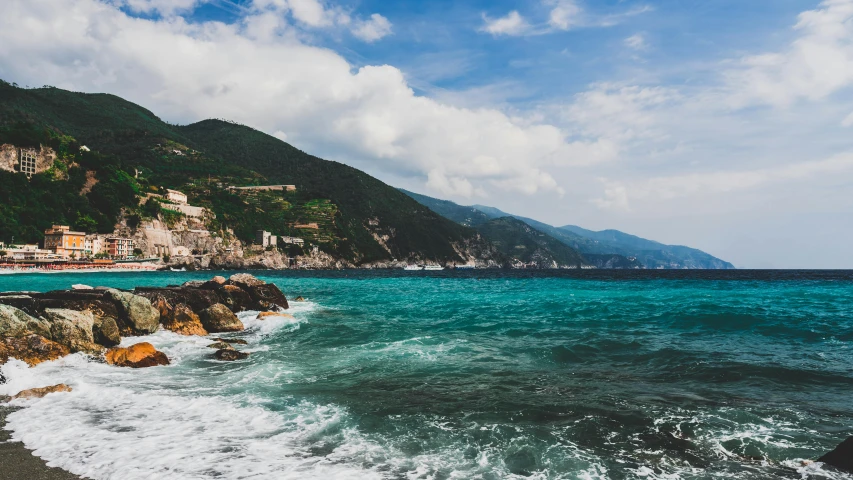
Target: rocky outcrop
{"type": "Point", "coordinates": [32, 349]}
{"type": "Point", "coordinates": [16, 323]}
{"type": "Point", "coordinates": [265, 296]}
{"type": "Point", "coordinates": [137, 316]}
{"type": "Point", "coordinates": [41, 392]}
{"type": "Point", "coordinates": [229, 355]}
{"type": "Point", "coordinates": [219, 318]}
{"type": "Point", "coordinates": [141, 355]}
{"type": "Point", "coordinates": [842, 457]}
{"type": "Point", "coordinates": [72, 329]}
{"type": "Point", "coordinates": [25, 303]}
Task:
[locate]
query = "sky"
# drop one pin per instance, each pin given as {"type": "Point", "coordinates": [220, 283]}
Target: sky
{"type": "Point", "coordinates": [724, 125]}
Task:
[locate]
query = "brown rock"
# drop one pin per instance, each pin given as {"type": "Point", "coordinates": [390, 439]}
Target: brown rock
{"type": "Point", "coordinates": [219, 318]}
{"type": "Point", "coordinates": [220, 345]}
{"type": "Point", "coordinates": [219, 279]}
{"type": "Point", "coordinates": [184, 321]}
{"type": "Point", "coordinates": [842, 457]}
{"type": "Point", "coordinates": [266, 297]}
{"type": "Point", "coordinates": [140, 355]}
{"type": "Point", "coordinates": [299, 299]}
{"type": "Point", "coordinates": [32, 349]}
{"type": "Point", "coordinates": [245, 280]}
{"type": "Point", "coordinates": [233, 341]}
{"type": "Point", "coordinates": [263, 315]}
{"type": "Point", "coordinates": [41, 392]}
{"type": "Point", "coordinates": [235, 298]}
{"type": "Point", "coordinates": [198, 299]}
{"type": "Point", "coordinates": [105, 331]}
{"type": "Point", "coordinates": [229, 355]}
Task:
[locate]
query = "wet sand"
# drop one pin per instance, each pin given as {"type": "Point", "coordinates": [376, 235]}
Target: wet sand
{"type": "Point", "coordinates": [18, 463]}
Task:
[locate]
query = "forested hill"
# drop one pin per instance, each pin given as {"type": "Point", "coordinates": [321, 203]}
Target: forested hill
{"type": "Point", "coordinates": [364, 219]}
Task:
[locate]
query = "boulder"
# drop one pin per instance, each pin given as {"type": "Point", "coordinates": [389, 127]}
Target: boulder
{"type": "Point", "coordinates": [235, 298]}
{"type": "Point", "coordinates": [193, 283]}
{"type": "Point", "coordinates": [266, 297]}
{"type": "Point", "coordinates": [219, 318]}
{"type": "Point", "coordinates": [299, 299]}
{"type": "Point", "coordinates": [220, 345]}
{"type": "Point", "coordinates": [105, 331]}
{"type": "Point", "coordinates": [72, 329]}
{"type": "Point", "coordinates": [245, 280]}
{"type": "Point", "coordinates": [141, 355]}
{"type": "Point", "coordinates": [219, 279]}
{"type": "Point", "coordinates": [137, 315]}
{"type": "Point", "coordinates": [842, 457]}
{"type": "Point", "coordinates": [33, 349]}
{"type": "Point", "coordinates": [41, 392]}
{"type": "Point", "coordinates": [229, 355]}
{"type": "Point", "coordinates": [16, 323]}
{"type": "Point", "coordinates": [197, 299]}
{"type": "Point", "coordinates": [80, 286]}
{"type": "Point", "coordinates": [233, 341]}
{"type": "Point", "coordinates": [184, 321]}
{"type": "Point", "coordinates": [22, 302]}
{"type": "Point", "coordinates": [263, 315]}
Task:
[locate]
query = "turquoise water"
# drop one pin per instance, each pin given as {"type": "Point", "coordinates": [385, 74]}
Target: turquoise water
{"type": "Point", "coordinates": [486, 375]}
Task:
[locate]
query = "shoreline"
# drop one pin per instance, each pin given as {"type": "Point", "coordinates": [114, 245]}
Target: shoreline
{"type": "Point", "coordinates": [20, 463]}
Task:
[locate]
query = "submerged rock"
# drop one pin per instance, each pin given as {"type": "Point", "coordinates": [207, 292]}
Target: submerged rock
{"type": "Point", "coordinates": [17, 323]}
{"type": "Point", "coordinates": [141, 355]}
{"type": "Point", "coordinates": [32, 349]}
{"type": "Point", "coordinates": [299, 299]}
{"type": "Point", "coordinates": [229, 355]}
{"type": "Point", "coordinates": [138, 316]}
{"type": "Point", "coordinates": [220, 345]}
{"type": "Point", "coordinates": [842, 457]}
{"type": "Point", "coordinates": [219, 318]}
{"type": "Point", "coordinates": [72, 329]}
{"type": "Point", "coordinates": [41, 392]}
{"type": "Point", "coordinates": [263, 315]}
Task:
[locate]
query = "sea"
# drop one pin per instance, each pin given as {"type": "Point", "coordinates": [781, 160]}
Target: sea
{"type": "Point", "coordinates": [470, 375]}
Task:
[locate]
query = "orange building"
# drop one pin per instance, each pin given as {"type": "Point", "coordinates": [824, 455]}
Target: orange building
{"type": "Point", "coordinates": [62, 241]}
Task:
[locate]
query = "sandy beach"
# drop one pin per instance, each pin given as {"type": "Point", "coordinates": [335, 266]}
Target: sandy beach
{"type": "Point", "coordinates": [19, 463]}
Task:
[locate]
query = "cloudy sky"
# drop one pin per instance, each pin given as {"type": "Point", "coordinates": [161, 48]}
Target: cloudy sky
{"type": "Point", "coordinates": [726, 125]}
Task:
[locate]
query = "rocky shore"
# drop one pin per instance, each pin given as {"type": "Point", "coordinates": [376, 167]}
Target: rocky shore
{"type": "Point", "coordinates": [37, 327]}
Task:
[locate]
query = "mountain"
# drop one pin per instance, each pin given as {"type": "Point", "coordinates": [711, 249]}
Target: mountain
{"type": "Point", "coordinates": [131, 152]}
{"type": "Point", "coordinates": [528, 246]}
{"type": "Point", "coordinates": [605, 249]}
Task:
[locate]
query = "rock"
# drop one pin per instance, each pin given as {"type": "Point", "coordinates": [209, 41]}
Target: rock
{"type": "Point", "coordinates": [105, 331]}
{"type": "Point", "coordinates": [266, 297]}
{"type": "Point", "coordinates": [136, 313]}
{"type": "Point", "coordinates": [263, 315]}
{"type": "Point", "coordinates": [16, 323]}
{"type": "Point", "coordinates": [184, 321]}
{"type": "Point", "coordinates": [219, 279]}
{"type": "Point", "coordinates": [193, 283]}
{"type": "Point", "coordinates": [141, 355]}
{"type": "Point", "coordinates": [229, 355]}
{"type": "Point", "coordinates": [233, 341]}
{"type": "Point", "coordinates": [33, 349]}
{"type": "Point", "coordinates": [80, 286]}
{"type": "Point", "coordinates": [840, 458]}
{"type": "Point", "coordinates": [299, 299]}
{"type": "Point", "coordinates": [41, 392]}
{"type": "Point", "coordinates": [219, 318]}
{"type": "Point", "coordinates": [72, 329]}
{"type": "Point", "coordinates": [235, 298]}
{"type": "Point", "coordinates": [197, 299]}
{"type": "Point", "coordinates": [245, 280]}
{"type": "Point", "coordinates": [22, 302]}
{"type": "Point", "coordinates": [220, 345]}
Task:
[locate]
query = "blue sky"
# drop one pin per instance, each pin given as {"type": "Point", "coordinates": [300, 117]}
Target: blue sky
{"type": "Point", "coordinates": [719, 124]}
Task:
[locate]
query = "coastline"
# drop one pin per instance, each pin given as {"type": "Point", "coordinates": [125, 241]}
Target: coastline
{"type": "Point", "coordinates": [20, 463]}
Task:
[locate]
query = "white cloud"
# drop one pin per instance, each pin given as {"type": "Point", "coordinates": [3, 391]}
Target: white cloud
{"type": "Point", "coordinates": [848, 121]}
{"type": "Point", "coordinates": [636, 42]}
{"type": "Point", "coordinates": [565, 14]}
{"type": "Point", "coordinates": [512, 24]}
{"type": "Point", "coordinates": [256, 73]}
{"type": "Point", "coordinates": [373, 29]}
{"type": "Point", "coordinates": [816, 65]}
{"type": "Point", "coordinates": [163, 7]}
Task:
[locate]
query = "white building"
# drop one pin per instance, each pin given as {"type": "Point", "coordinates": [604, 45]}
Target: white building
{"type": "Point", "coordinates": [265, 239]}
{"type": "Point", "coordinates": [292, 241]}
{"type": "Point", "coordinates": [93, 245]}
{"type": "Point", "coordinates": [175, 196]}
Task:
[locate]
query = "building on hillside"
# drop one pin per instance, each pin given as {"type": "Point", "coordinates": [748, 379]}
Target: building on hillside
{"type": "Point", "coordinates": [62, 241]}
{"type": "Point", "coordinates": [263, 188]}
{"type": "Point", "coordinates": [311, 226]}
{"type": "Point", "coordinates": [119, 247]}
{"type": "Point", "coordinates": [175, 196]}
{"type": "Point", "coordinates": [93, 245]}
{"type": "Point", "coordinates": [265, 239]}
{"type": "Point", "coordinates": [292, 241]}
{"type": "Point", "coordinates": [188, 210]}
{"type": "Point", "coordinates": [28, 161]}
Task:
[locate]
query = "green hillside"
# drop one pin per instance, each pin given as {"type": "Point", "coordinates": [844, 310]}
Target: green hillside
{"type": "Point", "coordinates": [468, 216]}
{"type": "Point", "coordinates": [521, 242]}
{"type": "Point", "coordinates": [360, 218]}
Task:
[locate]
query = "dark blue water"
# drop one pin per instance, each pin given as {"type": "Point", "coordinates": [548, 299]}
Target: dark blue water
{"type": "Point", "coordinates": [538, 375]}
